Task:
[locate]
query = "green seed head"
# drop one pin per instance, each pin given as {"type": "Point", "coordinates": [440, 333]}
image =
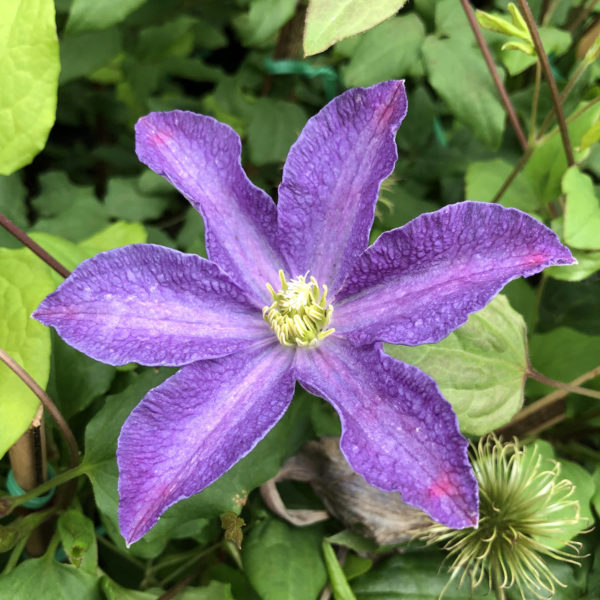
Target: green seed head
{"type": "Point", "coordinates": [299, 313]}
{"type": "Point", "coordinates": [521, 520]}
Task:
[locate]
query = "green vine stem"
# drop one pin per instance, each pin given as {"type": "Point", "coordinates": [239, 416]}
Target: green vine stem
{"type": "Point", "coordinates": [535, 102]}
{"type": "Point", "coordinates": [510, 111]}
{"type": "Point", "coordinates": [543, 59]}
{"type": "Point", "coordinates": [9, 503]}
{"type": "Point", "coordinates": [17, 232]}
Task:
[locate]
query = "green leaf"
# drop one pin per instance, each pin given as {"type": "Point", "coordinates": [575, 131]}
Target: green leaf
{"type": "Point", "coordinates": [283, 562]}
{"type": "Point", "coordinates": [263, 20]}
{"type": "Point", "coordinates": [571, 305]}
{"type": "Point", "coordinates": [70, 254]}
{"type": "Point", "coordinates": [79, 540]}
{"type": "Point", "coordinates": [24, 282]}
{"type": "Point", "coordinates": [452, 23]}
{"type": "Point", "coordinates": [352, 540]}
{"type": "Point", "coordinates": [81, 54]}
{"type": "Point", "coordinates": [587, 264]}
{"type": "Point", "coordinates": [548, 163]}
{"type": "Point", "coordinates": [592, 135]}
{"type": "Point", "coordinates": [484, 179]}
{"type": "Point", "coordinates": [29, 65]}
{"type": "Point", "coordinates": [90, 14]}
{"type": "Point", "coordinates": [46, 579]}
{"type": "Point", "coordinates": [274, 127]}
{"type": "Point", "coordinates": [562, 354]}
{"type": "Point", "coordinates": [12, 205]}
{"type": "Point", "coordinates": [75, 379]}
{"type": "Point", "coordinates": [329, 21]}
{"type": "Point", "coordinates": [459, 75]}
{"type": "Point", "coordinates": [124, 200]}
{"type": "Point", "coordinates": [114, 236]}
{"type": "Point", "coordinates": [387, 51]}
{"type": "Point", "coordinates": [418, 576]}
{"type": "Point", "coordinates": [337, 577]}
{"type": "Point", "coordinates": [480, 367]}
{"type": "Point", "coordinates": [215, 590]}
{"type": "Point", "coordinates": [581, 227]}
{"type": "Point", "coordinates": [555, 41]}
{"type": "Point", "coordinates": [70, 211]}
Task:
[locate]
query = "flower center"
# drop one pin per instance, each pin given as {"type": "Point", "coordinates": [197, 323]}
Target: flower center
{"type": "Point", "coordinates": [299, 313]}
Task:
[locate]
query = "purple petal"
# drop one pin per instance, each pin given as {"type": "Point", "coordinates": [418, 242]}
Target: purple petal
{"type": "Point", "coordinates": [331, 180]}
{"type": "Point", "coordinates": [418, 283]}
{"type": "Point", "coordinates": [201, 158]}
{"type": "Point", "coordinates": [195, 426]}
{"type": "Point", "coordinates": [398, 431]}
{"type": "Point", "coordinates": [154, 306]}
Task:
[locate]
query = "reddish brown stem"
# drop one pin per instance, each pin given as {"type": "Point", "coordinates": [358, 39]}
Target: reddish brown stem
{"type": "Point", "coordinates": [33, 246]}
{"type": "Point", "coordinates": [543, 58]}
{"type": "Point", "coordinates": [510, 111]}
{"type": "Point", "coordinates": [48, 405]}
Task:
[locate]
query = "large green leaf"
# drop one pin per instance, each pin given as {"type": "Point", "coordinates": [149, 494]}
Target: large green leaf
{"type": "Point", "coordinates": [329, 21]}
{"type": "Point", "coordinates": [480, 367]}
{"type": "Point", "coordinates": [12, 205]}
{"type": "Point", "coordinates": [46, 579]}
{"type": "Point", "coordinates": [459, 75]}
{"type": "Point", "coordinates": [562, 354]}
{"type": "Point", "coordinates": [263, 20]}
{"type": "Point", "coordinates": [418, 576]}
{"type": "Point", "coordinates": [124, 200]}
{"type": "Point", "coordinates": [548, 163]}
{"type": "Point", "coordinates": [29, 65]}
{"type": "Point", "coordinates": [81, 54]}
{"type": "Point", "coordinates": [485, 178]}
{"type": "Point", "coordinates": [24, 282]}
{"type": "Point", "coordinates": [215, 590]}
{"type": "Point", "coordinates": [283, 562]}
{"type": "Point", "coordinates": [387, 51]}
{"type": "Point", "coordinates": [274, 127]}
{"type": "Point", "coordinates": [91, 14]}
{"type": "Point", "coordinates": [581, 227]}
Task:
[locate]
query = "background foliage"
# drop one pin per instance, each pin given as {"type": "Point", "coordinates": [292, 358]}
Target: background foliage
{"type": "Point", "coordinates": [79, 73]}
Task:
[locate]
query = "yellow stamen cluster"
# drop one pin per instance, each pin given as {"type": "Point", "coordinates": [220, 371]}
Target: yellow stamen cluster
{"type": "Point", "coordinates": [299, 313]}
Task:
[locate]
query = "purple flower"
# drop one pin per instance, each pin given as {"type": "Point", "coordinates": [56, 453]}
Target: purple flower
{"type": "Point", "coordinates": [292, 293]}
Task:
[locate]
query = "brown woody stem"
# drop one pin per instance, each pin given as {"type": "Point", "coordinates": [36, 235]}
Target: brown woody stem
{"type": "Point", "coordinates": [33, 246]}
{"type": "Point", "coordinates": [48, 405]}
{"type": "Point", "coordinates": [510, 111]}
{"type": "Point", "coordinates": [543, 58]}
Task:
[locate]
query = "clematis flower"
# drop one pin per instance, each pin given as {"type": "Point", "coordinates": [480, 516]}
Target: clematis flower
{"type": "Point", "coordinates": [292, 293]}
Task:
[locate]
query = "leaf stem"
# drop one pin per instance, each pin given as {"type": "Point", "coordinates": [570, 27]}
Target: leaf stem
{"type": "Point", "coordinates": [526, 420]}
{"type": "Point", "coordinates": [510, 111]}
{"type": "Point", "coordinates": [535, 102]}
{"type": "Point", "coordinates": [126, 555]}
{"type": "Point", "coordinates": [15, 230]}
{"type": "Point", "coordinates": [543, 59]}
{"type": "Point", "coordinates": [567, 387]}
{"type": "Point", "coordinates": [513, 174]}
{"type": "Point", "coordinates": [45, 487]}
{"type": "Point", "coordinates": [190, 562]}
{"type": "Point", "coordinates": [13, 559]}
